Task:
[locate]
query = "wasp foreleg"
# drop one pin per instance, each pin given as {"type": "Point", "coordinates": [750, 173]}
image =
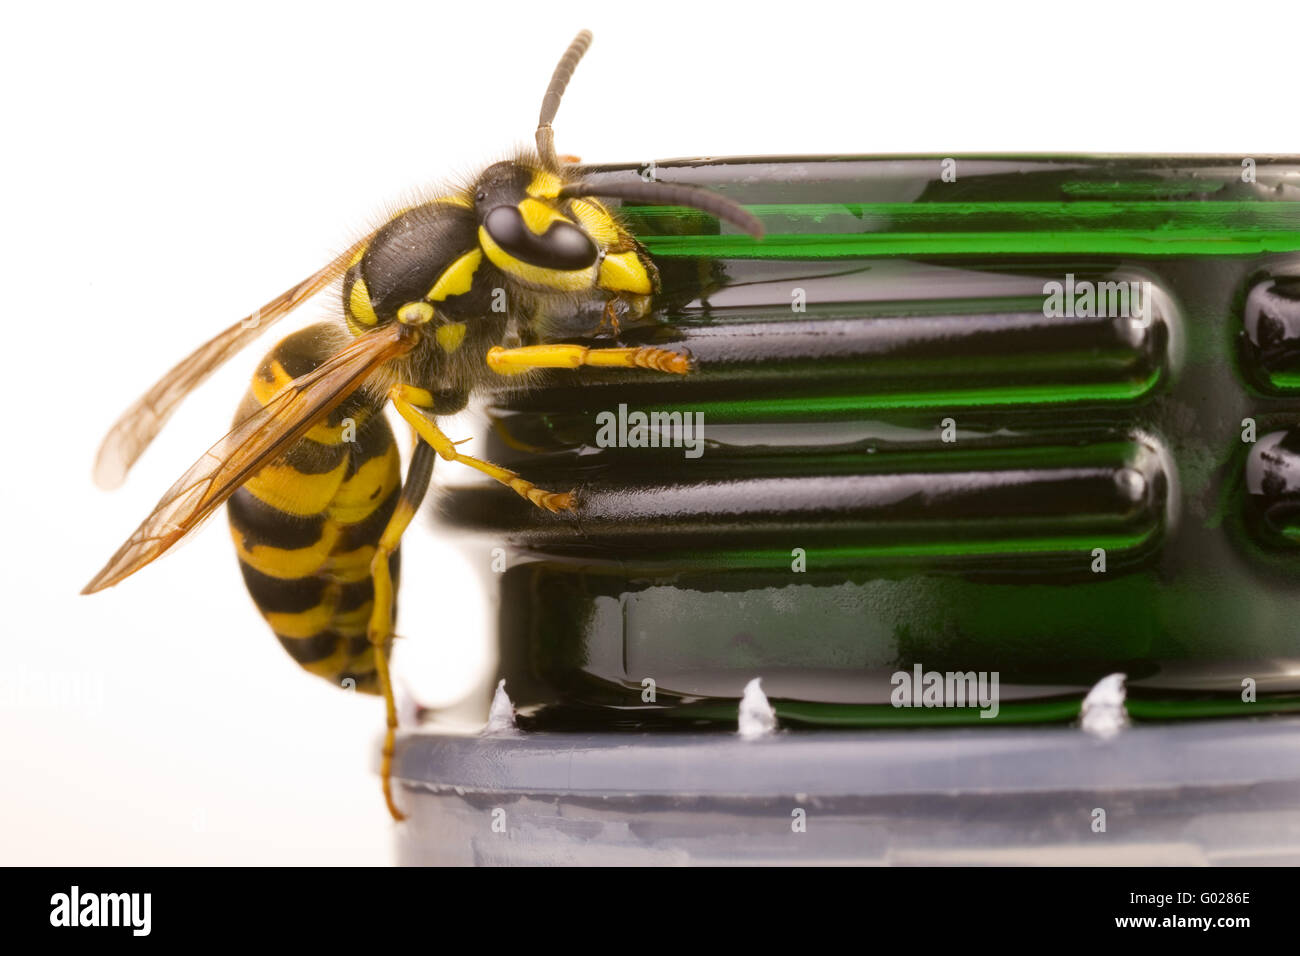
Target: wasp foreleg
{"type": "Point", "coordinates": [513, 361]}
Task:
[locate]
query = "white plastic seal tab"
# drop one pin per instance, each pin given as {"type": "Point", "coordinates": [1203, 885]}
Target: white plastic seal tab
{"type": "Point", "coordinates": [1103, 713]}
{"type": "Point", "coordinates": [501, 718]}
{"type": "Point", "coordinates": [757, 717]}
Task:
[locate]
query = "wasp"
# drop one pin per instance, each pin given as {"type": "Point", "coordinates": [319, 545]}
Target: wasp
{"type": "Point", "coordinates": [435, 303]}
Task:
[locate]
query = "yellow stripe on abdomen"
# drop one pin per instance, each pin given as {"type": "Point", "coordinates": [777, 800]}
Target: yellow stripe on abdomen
{"type": "Point", "coordinates": [306, 526]}
{"type": "Point", "coordinates": [286, 489]}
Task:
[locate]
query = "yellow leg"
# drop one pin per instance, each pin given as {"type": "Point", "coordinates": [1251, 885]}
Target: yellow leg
{"type": "Point", "coordinates": [380, 627]}
{"type": "Point", "coordinates": [513, 361]}
{"type": "Point", "coordinates": [408, 400]}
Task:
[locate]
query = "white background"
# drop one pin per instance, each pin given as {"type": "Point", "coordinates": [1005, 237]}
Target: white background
{"type": "Point", "coordinates": [166, 170]}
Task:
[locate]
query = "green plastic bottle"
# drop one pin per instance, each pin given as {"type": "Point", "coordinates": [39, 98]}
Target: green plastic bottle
{"type": "Point", "coordinates": [1031, 416]}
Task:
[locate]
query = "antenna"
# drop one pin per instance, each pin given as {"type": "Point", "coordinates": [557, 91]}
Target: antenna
{"type": "Point", "coordinates": [551, 101]}
{"type": "Point", "coordinates": [647, 192]}
{"type": "Point", "coordinates": [671, 194]}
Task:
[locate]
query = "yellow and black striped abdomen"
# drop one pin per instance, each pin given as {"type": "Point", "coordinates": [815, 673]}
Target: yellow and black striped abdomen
{"type": "Point", "coordinates": [306, 525]}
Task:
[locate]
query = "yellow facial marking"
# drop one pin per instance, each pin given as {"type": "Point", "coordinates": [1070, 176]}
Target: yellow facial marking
{"type": "Point", "coordinates": [624, 272]}
{"type": "Point", "coordinates": [538, 216]}
{"type": "Point", "coordinates": [450, 336]}
{"type": "Point", "coordinates": [359, 303]}
{"type": "Point", "coordinates": [545, 185]}
{"type": "Point", "coordinates": [415, 313]}
{"type": "Point", "coordinates": [575, 280]}
{"type": "Point", "coordinates": [457, 278]}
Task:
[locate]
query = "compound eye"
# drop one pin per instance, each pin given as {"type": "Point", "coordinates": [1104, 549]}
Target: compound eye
{"type": "Point", "coordinates": [563, 246]}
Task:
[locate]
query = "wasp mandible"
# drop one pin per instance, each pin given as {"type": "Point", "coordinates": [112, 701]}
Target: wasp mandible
{"type": "Point", "coordinates": [311, 472]}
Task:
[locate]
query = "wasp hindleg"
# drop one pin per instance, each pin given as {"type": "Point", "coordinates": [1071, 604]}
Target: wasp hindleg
{"type": "Point", "coordinates": [380, 629]}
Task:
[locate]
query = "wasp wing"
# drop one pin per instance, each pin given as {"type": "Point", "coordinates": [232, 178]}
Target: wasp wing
{"type": "Point", "coordinates": [140, 424]}
{"type": "Point", "coordinates": [252, 444]}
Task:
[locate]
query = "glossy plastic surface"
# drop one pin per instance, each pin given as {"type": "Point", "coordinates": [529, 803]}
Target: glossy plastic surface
{"type": "Point", "coordinates": [910, 453]}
